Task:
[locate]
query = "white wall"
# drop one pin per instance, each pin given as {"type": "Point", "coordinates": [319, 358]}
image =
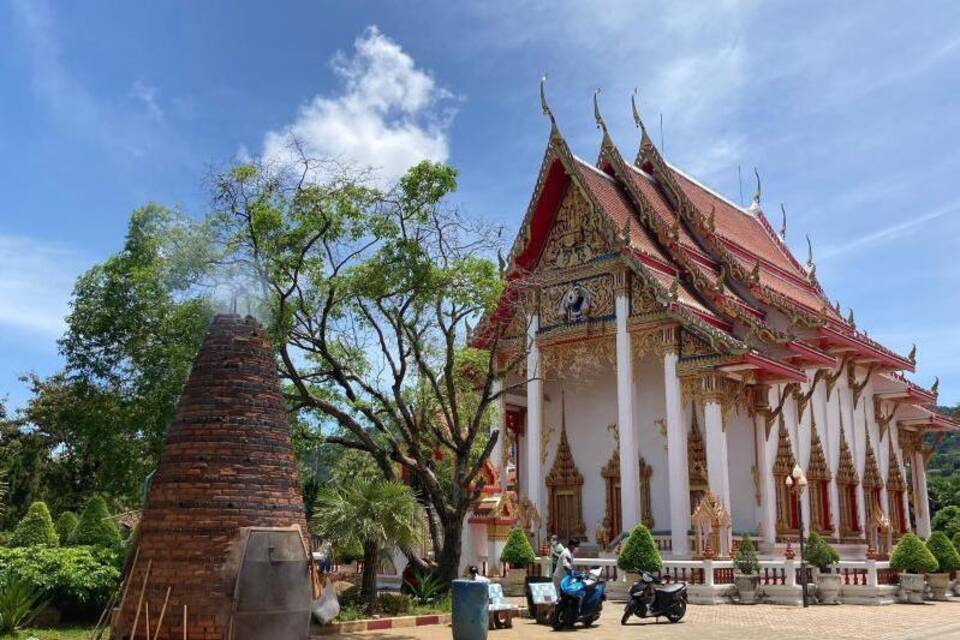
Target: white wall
{"type": "Point", "coordinates": [740, 463]}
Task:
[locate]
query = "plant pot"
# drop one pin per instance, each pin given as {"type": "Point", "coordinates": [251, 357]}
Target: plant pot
{"type": "Point", "coordinates": [938, 583]}
{"type": "Point", "coordinates": [515, 581]}
{"type": "Point", "coordinates": [828, 588]}
{"type": "Point", "coordinates": [913, 585]}
{"type": "Point", "coordinates": [747, 587]}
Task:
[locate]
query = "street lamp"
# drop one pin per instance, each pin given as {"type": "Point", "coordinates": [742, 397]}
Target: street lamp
{"type": "Point", "coordinates": [797, 477]}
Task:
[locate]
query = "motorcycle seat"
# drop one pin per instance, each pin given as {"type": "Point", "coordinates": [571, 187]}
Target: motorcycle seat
{"type": "Point", "coordinates": [671, 588]}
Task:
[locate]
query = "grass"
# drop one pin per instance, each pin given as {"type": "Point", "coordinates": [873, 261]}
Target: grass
{"type": "Point", "coordinates": [66, 633]}
{"type": "Point", "coordinates": [351, 611]}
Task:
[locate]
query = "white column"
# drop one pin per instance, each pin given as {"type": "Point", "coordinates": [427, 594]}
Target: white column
{"type": "Point", "coordinates": [503, 437]}
{"type": "Point", "coordinates": [716, 444]}
{"type": "Point", "coordinates": [676, 458]}
{"type": "Point", "coordinates": [922, 506]}
{"type": "Point", "coordinates": [767, 452]}
{"type": "Point", "coordinates": [629, 454]}
{"type": "Point", "coordinates": [532, 473]}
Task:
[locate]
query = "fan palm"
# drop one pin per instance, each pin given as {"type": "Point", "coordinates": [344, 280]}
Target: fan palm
{"type": "Point", "coordinates": [371, 513]}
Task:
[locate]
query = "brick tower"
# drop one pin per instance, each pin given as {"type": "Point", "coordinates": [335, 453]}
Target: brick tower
{"type": "Point", "coordinates": [227, 469]}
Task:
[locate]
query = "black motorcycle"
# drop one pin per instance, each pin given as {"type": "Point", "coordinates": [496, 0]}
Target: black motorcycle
{"type": "Point", "coordinates": [649, 599]}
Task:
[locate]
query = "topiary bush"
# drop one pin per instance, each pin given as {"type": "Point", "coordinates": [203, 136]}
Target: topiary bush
{"type": "Point", "coordinates": [66, 524]}
{"type": "Point", "coordinates": [943, 550]}
{"type": "Point", "coordinates": [96, 527]}
{"type": "Point", "coordinates": [640, 552]}
{"type": "Point", "coordinates": [746, 560]}
{"type": "Point", "coordinates": [36, 528]}
{"type": "Point", "coordinates": [820, 553]}
{"type": "Point", "coordinates": [947, 520]}
{"type": "Point", "coordinates": [518, 552]}
{"type": "Point", "coordinates": [912, 556]}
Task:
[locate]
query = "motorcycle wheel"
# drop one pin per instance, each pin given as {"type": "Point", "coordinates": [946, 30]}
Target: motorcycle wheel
{"type": "Point", "coordinates": [588, 622]}
{"type": "Point", "coordinates": [678, 611]}
{"type": "Point", "coordinates": [628, 612]}
{"type": "Point", "coordinates": [561, 617]}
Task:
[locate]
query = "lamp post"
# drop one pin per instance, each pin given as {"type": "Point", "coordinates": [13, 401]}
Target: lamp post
{"type": "Point", "coordinates": [797, 482]}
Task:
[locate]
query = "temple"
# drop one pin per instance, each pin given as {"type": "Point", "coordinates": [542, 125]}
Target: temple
{"type": "Point", "coordinates": [677, 363]}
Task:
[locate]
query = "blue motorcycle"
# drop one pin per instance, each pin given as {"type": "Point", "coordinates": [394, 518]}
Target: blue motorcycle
{"type": "Point", "coordinates": [581, 599]}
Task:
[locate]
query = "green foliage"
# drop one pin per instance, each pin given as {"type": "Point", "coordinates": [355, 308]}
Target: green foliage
{"type": "Point", "coordinates": [819, 552]}
{"type": "Point", "coordinates": [19, 602]}
{"type": "Point", "coordinates": [640, 552]}
{"type": "Point", "coordinates": [947, 520]}
{"type": "Point", "coordinates": [395, 604]}
{"type": "Point", "coordinates": [518, 552]}
{"type": "Point", "coordinates": [36, 528]}
{"type": "Point", "coordinates": [96, 527]}
{"type": "Point", "coordinates": [66, 524]}
{"type": "Point", "coordinates": [746, 560]}
{"type": "Point", "coordinates": [426, 588]}
{"type": "Point", "coordinates": [956, 542]}
{"type": "Point", "coordinates": [77, 580]}
{"type": "Point", "coordinates": [943, 550]}
{"type": "Point", "coordinates": [912, 556]}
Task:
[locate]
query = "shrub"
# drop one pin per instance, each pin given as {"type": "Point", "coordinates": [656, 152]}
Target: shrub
{"type": "Point", "coordinates": [36, 528]}
{"type": "Point", "coordinates": [820, 553]}
{"type": "Point", "coordinates": [912, 556]}
{"type": "Point", "coordinates": [19, 604]}
{"type": "Point", "coordinates": [640, 552]}
{"type": "Point", "coordinates": [96, 527]}
{"type": "Point", "coordinates": [956, 542]}
{"type": "Point", "coordinates": [746, 560]}
{"type": "Point", "coordinates": [944, 551]}
{"type": "Point", "coordinates": [947, 520]}
{"type": "Point", "coordinates": [395, 604]}
{"type": "Point", "coordinates": [77, 580]}
{"type": "Point", "coordinates": [66, 524]}
{"type": "Point", "coordinates": [517, 552]}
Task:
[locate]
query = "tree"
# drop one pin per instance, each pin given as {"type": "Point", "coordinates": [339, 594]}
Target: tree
{"type": "Point", "coordinates": [943, 550]}
{"type": "Point", "coordinates": [96, 527]}
{"type": "Point", "coordinates": [373, 514]}
{"type": "Point", "coordinates": [912, 556]}
{"type": "Point", "coordinates": [947, 520]}
{"type": "Point", "coordinates": [371, 295]}
{"type": "Point", "coordinates": [640, 552]}
{"type": "Point", "coordinates": [821, 553]}
{"type": "Point", "coordinates": [66, 524]}
{"type": "Point", "coordinates": [36, 528]}
{"type": "Point", "coordinates": [746, 559]}
{"type": "Point", "coordinates": [517, 552]}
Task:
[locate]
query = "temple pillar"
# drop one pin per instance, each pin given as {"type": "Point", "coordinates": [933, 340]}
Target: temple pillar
{"type": "Point", "coordinates": [676, 457]}
{"type": "Point", "coordinates": [921, 508]}
{"type": "Point", "coordinates": [766, 453]}
{"type": "Point", "coordinates": [499, 453]}
{"type": "Point", "coordinates": [532, 472]}
{"type": "Point", "coordinates": [716, 442]}
{"type": "Point", "coordinates": [629, 453]}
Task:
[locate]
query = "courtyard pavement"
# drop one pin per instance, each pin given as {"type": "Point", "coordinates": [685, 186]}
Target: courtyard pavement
{"type": "Point", "coordinates": [931, 621]}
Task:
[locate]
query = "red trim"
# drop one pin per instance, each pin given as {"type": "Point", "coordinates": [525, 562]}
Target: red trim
{"type": "Point", "coordinates": [833, 337]}
{"type": "Point", "coordinates": [806, 353]}
{"type": "Point", "coordinates": [554, 186]}
{"type": "Point", "coordinates": [774, 369]}
{"type": "Point", "coordinates": [374, 625]}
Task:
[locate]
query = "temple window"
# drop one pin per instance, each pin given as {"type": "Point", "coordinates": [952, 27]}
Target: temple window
{"type": "Point", "coordinates": [613, 520]}
{"type": "Point", "coordinates": [895, 492]}
{"type": "Point", "coordinates": [788, 506]}
{"type": "Point", "coordinates": [847, 483]}
{"type": "Point", "coordinates": [819, 477]}
{"type": "Point", "coordinates": [565, 488]}
{"type": "Point", "coordinates": [696, 463]}
{"type": "Point", "coordinates": [646, 504]}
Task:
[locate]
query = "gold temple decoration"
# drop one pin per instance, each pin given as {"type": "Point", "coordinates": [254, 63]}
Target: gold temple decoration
{"type": "Point", "coordinates": [788, 506]}
{"type": "Point", "coordinates": [646, 504]}
{"type": "Point", "coordinates": [696, 461]}
{"type": "Point", "coordinates": [580, 360]}
{"type": "Point", "coordinates": [712, 527]}
{"type": "Point", "coordinates": [576, 236]}
{"type": "Point", "coordinates": [847, 482]}
{"type": "Point", "coordinates": [565, 485]}
{"type": "Point", "coordinates": [873, 505]}
{"type": "Point", "coordinates": [597, 289]}
{"type": "Point", "coordinates": [895, 490]}
{"type": "Point", "coordinates": [613, 518]}
{"type": "Point", "coordinates": [819, 476]}
{"type": "Point", "coordinates": [884, 420]}
{"type": "Point", "coordinates": [528, 517]}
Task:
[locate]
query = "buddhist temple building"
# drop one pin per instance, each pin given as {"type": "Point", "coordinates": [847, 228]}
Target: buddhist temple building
{"type": "Point", "coordinates": [675, 351]}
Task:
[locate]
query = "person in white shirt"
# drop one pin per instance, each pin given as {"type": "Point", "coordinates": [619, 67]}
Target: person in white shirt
{"type": "Point", "coordinates": [565, 563]}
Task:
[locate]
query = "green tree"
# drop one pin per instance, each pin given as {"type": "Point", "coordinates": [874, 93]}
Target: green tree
{"type": "Point", "coordinates": [373, 514]}
{"type": "Point", "coordinates": [518, 552]}
{"type": "Point", "coordinates": [912, 556]}
{"type": "Point", "coordinates": [371, 295]}
{"type": "Point", "coordinates": [820, 553]}
{"type": "Point", "coordinates": [640, 552]}
{"type": "Point", "coordinates": [943, 550]}
{"type": "Point", "coordinates": [36, 528]}
{"type": "Point", "coordinates": [66, 524]}
{"type": "Point", "coordinates": [947, 520]}
{"type": "Point", "coordinates": [746, 559]}
{"type": "Point", "coordinates": [95, 527]}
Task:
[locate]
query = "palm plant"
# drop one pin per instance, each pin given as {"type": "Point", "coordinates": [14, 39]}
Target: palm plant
{"type": "Point", "coordinates": [373, 514]}
{"type": "Point", "coordinates": [19, 603]}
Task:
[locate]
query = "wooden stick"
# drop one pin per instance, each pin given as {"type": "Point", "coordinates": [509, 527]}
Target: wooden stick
{"type": "Point", "coordinates": [184, 622]}
{"type": "Point", "coordinates": [143, 592]}
{"type": "Point", "coordinates": [146, 614]}
{"type": "Point", "coordinates": [126, 587]}
{"type": "Point", "coordinates": [163, 610]}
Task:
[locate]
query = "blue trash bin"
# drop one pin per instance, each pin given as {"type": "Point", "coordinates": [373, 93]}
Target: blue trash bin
{"type": "Point", "coordinates": [469, 610]}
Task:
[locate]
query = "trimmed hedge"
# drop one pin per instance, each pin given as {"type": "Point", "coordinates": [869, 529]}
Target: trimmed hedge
{"type": "Point", "coordinates": [640, 552]}
{"type": "Point", "coordinates": [36, 528]}
{"type": "Point", "coordinates": [66, 524]}
{"type": "Point", "coordinates": [820, 553]}
{"type": "Point", "coordinates": [78, 580]}
{"type": "Point", "coordinates": [746, 560]}
{"type": "Point", "coordinates": [518, 552]}
{"type": "Point", "coordinates": [944, 551]}
{"type": "Point", "coordinates": [912, 556]}
{"type": "Point", "coordinates": [96, 527]}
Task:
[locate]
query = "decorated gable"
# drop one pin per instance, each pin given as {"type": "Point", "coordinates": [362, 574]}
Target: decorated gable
{"type": "Point", "coordinates": [576, 237]}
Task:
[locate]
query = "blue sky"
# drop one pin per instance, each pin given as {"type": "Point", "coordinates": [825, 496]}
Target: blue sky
{"type": "Point", "coordinates": [849, 110]}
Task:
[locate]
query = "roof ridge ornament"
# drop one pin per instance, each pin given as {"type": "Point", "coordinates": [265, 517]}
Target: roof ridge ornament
{"type": "Point", "coordinates": [912, 357]}
{"type": "Point", "coordinates": [543, 102]}
{"type": "Point", "coordinates": [850, 319]}
{"type": "Point", "coordinates": [756, 196]}
{"type": "Point", "coordinates": [783, 224]}
{"type": "Point", "coordinates": [935, 387]}
{"type": "Point", "coordinates": [636, 112]}
{"type": "Point", "coordinates": [596, 113]}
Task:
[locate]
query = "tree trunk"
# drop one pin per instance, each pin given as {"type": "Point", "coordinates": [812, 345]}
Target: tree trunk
{"type": "Point", "coordinates": [368, 580]}
{"type": "Point", "coordinates": [448, 562]}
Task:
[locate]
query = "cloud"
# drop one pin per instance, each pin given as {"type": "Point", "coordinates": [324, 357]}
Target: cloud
{"type": "Point", "coordinates": [390, 115]}
{"type": "Point", "coordinates": [36, 279]}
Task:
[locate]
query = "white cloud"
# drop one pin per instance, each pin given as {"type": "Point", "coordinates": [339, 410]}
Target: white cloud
{"type": "Point", "coordinates": [36, 279]}
{"type": "Point", "coordinates": [390, 115]}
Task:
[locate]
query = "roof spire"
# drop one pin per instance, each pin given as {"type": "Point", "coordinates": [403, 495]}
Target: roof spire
{"type": "Point", "coordinates": [596, 112]}
{"type": "Point", "coordinates": [543, 102]}
{"type": "Point", "coordinates": [756, 196]}
{"type": "Point", "coordinates": [913, 354]}
{"type": "Point", "coordinates": [809, 254]}
{"type": "Point", "coordinates": [636, 112]}
{"type": "Point", "coordinates": [850, 319]}
{"type": "Point", "coordinates": [935, 387]}
{"type": "Point", "coordinates": [783, 224]}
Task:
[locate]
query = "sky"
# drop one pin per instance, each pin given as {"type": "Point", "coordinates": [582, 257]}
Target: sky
{"type": "Point", "coordinates": [848, 111]}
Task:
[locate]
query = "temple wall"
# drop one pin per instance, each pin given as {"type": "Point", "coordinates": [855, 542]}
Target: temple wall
{"type": "Point", "coordinates": [740, 462]}
{"type": "Point", "coordinates": [652, 444]}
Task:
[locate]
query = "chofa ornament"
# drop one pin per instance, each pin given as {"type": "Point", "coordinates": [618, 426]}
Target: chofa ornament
{"type": "Point", "coordinates": [575, 303]}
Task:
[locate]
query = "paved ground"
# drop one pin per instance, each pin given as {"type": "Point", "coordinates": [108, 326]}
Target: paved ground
{"type": "Point", "coordinates": [939, 621]}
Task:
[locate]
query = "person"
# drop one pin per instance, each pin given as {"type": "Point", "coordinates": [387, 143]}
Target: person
{"type": "Point", "coordinates": [556, 548]}
{"type": "Point", "coordinates": [475, 575]}
{"type": "Point", "coordinates": [565, 564]}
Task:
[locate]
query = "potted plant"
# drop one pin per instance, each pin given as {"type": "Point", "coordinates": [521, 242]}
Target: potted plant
{"type": "Point", "coordinates": [912, 559]}
{"type": "Point", "coordinates": [956, 582]}
{"type": "Point", "coordinates": [517, 554]}
{"type": "Point", "coordinates": [747, 577]}
{"type": "Point", "coordinates": [823, 556]}
{"type": "Point", "coordinates": [948, 560]}
{"type": "Point", "coordinates": [639, 553]}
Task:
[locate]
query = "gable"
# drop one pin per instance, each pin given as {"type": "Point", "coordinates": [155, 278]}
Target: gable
{"type": "Point", "coordinates": [576, 235]}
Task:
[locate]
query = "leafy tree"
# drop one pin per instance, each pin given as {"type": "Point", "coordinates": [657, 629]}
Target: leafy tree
{"type": "Point", "coordinates": [371, 295]}
{"type": "Point", "coordinates": [373, 514]}
{"type": "Point", "coordinates": [820, 553]}
{"type": "Point", "coordinates": [640, 552]}
{"type": "Point", "coordinates": [912, 556]}
{"type": "Point", "coordinates": [96, 528]}
{"type": "Point", "coordinates": [36, 528]}
{"type": "Point", "coordinates": [66, 525]}
{"type": "Point", "coordinates": [518, 552]}
{"type": "Point", "coordinates": [956, 542]}
{"type": "Point", "coordinates": [944, 551]}
{"type": "Point", "coordinates": [746, 559]}
{"type": "Point", "coordinates": [947, 520]}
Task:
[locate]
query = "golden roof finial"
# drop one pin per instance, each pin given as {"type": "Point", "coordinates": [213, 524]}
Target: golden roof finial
{"type": "Point", "coordinates": [783, 223]}
{"type": "Point", "coordinates": [596, 112]}
{"type": "Point", "coordinates": [913, 354]}
{"type": "Point", "coordinates": [809, 253]}
{"type": "Point", "coordinates": [850, 319]}
{"type": "Point", "coordinates": [756, 196]}
{"type": "Point", "coordinates": [935, 387]}
{"type": "Point", "coordinates": [543, 101]}
{"type": "Point", "coordinates": [636, 111]}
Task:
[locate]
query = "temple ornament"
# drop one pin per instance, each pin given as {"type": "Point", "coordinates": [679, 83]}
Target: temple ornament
{"type": "Point", "coordinates": [712, 529]}
{"type": "Point", "coordinates": [788, 505]}
{"type": "Point", "coordinates": [577, 236]}
{"type": "Point", "coordinates": [895, 494]}
{"type": "Point", "coordinates": [565, 487]}
{"type": "Point", "coordinates": [819, 476]}
{"type": "Point", "coordinates": [699, 482]}
{"type": "Point", "coordinates": [848, 480]}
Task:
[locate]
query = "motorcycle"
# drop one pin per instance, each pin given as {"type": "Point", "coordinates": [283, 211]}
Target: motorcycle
{"type": "Point", "coordinates": [649, 599]}
{"type": "Point", "coordinates": [581, 599]}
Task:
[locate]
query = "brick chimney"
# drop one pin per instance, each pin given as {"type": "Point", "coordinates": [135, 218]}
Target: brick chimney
{"type": "Point", "coordinates": [226, 475]}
